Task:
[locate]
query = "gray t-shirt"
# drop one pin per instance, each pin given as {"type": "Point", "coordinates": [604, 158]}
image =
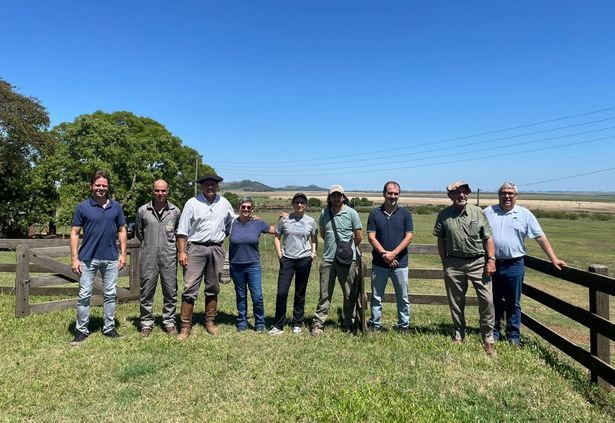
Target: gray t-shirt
{"type": "Point", "coordinates": [296, 233]}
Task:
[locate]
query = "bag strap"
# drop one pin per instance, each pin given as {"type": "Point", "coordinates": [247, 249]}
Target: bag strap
{"type": "Point", "coordinates": [337, 237]}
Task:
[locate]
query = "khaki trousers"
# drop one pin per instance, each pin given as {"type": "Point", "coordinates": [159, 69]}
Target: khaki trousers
{"type": "Point", "coordinates": [458, 272]}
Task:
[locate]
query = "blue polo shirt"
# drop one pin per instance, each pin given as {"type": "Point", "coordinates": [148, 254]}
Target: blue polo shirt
{"type": "Point", "coordinates": [510, 230]}
{"type": "Point", "coordinates": [244, 241]}
{"type": "Point", "coordinates": [100, 226]}
{"type": "Point", "coordinates": [390, 231]}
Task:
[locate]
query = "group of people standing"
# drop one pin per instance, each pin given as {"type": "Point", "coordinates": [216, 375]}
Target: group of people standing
{"type": "Point", "coordinates": [485, 248]}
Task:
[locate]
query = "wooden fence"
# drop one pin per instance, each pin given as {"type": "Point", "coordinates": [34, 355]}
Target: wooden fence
{"type": "Point", "coordinates": [596, 319]}
{"type": "Point", "coordinates": [40, 256]}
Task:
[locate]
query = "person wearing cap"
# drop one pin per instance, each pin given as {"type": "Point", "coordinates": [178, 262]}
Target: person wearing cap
{"type": "Point", "coordinates": [390, 230]}
{"type": "Point", "coordinates": [348, 224]}
{"type": "Point", "coordinates": [203, 225]}
{"type": "Point", "coordinates": [155, 227]}
{"type": "Point", "coordinates": [511, 224]}
{"type": "Point", "coordinates": [467, 252]}
{"type": "Point", "coordinates": [245, 264]}
{"type": "Point", "coordinates": [296, 241]}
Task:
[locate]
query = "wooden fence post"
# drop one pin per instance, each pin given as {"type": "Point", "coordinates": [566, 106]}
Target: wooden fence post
{"type": "Point", "coordinates": [133, 277]}
{"type": "Point", "coordinates": [22, 281]}
{"type": "Point", "coordinates": [599, 344]}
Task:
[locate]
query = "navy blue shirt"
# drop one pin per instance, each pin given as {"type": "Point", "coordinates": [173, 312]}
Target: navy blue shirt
{"type": "Point", "coordinates": [244, 241]}
{"type": "Point", "coordinates": [390, 231]}
{"type": "Point", "coordinates": [100, 226]}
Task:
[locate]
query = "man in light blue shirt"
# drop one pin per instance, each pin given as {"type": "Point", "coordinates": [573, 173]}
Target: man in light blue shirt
{"type": "Point", "coordinates": [510, 225]}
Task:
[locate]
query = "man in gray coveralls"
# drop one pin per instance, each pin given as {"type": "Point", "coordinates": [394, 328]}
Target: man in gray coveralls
{"type": "Point", "coordinates": [155, 227]}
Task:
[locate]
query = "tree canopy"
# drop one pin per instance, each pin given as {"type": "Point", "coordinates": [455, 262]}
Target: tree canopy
{"type": "Point", "coordinates": [134, 151]}
{"type": "Point", "coordinates": [28, 194]}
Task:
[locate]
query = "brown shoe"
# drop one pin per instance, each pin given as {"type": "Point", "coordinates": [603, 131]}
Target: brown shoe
{"type": "Point", "coordinates": [211, 306]}
{"type": "Point", "coordinates": [145, 332]}
{"type": "Point", "coordinates": [490, 349]}
{"type": "Point", "coordinates": [170, 330]}
{"type": "Point", "coordinates": [186, 320]}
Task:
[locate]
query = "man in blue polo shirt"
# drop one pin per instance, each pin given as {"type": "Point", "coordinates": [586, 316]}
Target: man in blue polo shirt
{"type": "Point", "coordinates": [389, 230]}
{"type": "Point", "coordinates": [103, 222]}
{"type": "Point", "coordinates": [510, 225]}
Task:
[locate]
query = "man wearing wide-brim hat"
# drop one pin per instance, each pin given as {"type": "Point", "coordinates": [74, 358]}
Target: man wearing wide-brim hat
{"type": "Point", "coordinates": [203, 225]}
{"type": "Point", "coordinates": [467, 252]}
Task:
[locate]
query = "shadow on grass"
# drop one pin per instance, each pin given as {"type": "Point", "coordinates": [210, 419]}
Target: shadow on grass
{"type": "Point", "coordinates": [94, 325]}
{"type": "Point", "coordinates": [577, 376]}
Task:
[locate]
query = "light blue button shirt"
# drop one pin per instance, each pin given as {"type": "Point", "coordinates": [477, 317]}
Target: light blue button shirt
{"type": "Point", "coordinates": [510, 230]}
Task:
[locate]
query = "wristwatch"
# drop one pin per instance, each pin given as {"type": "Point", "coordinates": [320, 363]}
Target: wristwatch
{"type": "Point", "coordinates": [491, 258]}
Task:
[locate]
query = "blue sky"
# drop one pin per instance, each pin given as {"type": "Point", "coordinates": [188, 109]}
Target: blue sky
{"type": "Point", "coordinates": [349, 92]}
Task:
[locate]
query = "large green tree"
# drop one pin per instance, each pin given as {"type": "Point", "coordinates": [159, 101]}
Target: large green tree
{"type": "Point", "coordinates": [28, 192]}
{"type": "Point", "coordinates": [134, 150]}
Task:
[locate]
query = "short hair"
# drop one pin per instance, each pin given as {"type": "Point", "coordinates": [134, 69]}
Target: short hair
{"type": "Point", "coordinates": [246, 199]}
{"type": "Point", "coordinates": [509, 185]}
{"type": "Point", "coordinates": [97, 175]}
{"type": "Point", "coordinates": [384, 189]}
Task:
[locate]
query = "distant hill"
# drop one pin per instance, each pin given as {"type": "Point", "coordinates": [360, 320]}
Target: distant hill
{"type": "Point", "coordinates": [245, 185]}
{"type": "Point", "coordinates": [248, 185]}
{"type": "Point", "coordinates": [302, 188]}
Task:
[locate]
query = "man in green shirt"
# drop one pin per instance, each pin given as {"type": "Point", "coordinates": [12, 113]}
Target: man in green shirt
{"type": "Point", "coordinates": [467, 252]}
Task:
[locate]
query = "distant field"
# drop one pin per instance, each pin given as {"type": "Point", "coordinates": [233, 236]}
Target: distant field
{"type": "Point", "coordinates": [574, 202]}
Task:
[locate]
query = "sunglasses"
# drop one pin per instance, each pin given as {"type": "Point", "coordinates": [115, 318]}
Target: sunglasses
{"type": "Point", "coordinates": [246, 207]}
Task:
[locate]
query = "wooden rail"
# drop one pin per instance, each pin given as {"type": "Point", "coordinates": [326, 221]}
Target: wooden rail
{"type": "Point", "coordinates": [40, 256]}
{"type": "Point", "coordinates": [364, 271]}
{"type": "Point", "coordinates": [596, 319]}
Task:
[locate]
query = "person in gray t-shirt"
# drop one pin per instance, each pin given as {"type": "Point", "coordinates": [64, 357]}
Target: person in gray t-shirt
{"type": "Point", "coordinates": [295, 242]}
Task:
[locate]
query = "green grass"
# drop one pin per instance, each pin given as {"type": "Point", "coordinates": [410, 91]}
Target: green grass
{"type": "Point", "coordinates": [337, 377]}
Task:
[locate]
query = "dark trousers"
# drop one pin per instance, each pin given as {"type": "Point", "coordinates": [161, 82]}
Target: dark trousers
{"type": "Point", "coordinates": [507, 285]}
{"type": "Point", "coordinates": [300, 268]}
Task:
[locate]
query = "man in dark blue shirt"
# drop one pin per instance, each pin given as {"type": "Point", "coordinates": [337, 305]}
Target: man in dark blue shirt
{"type": "Point", "coordinates": [389, 230]}
{"type": "Point", "coordinates": [103, 222]}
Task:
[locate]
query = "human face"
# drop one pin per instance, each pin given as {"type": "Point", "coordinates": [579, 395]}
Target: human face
{"type": "Point", "coordinates": [299, 205]}
{"type": "Point", "coordinates": [245, 209]}
{"type": "Point", "coordinates": [507, 198]}
{"type": "Point", "coordinates": [459, 197]}
{"type": "Point", "coordinates": [336, 199]}
{"type": "Point", "coordinates": [391, 196]}
{"type": "Point", "coordinates": [160, 191]}
{"type": "Point", "coordinates": [99, 188]}
{"type": "Point", "coordinates": [209, 187]}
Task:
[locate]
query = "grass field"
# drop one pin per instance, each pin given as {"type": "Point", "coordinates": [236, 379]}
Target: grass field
{"type": "Point", "coordinates": [337, 377]}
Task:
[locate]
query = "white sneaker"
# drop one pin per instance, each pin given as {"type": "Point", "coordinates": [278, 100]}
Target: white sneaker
{"type": "Point", "coordinates": [296, 330]}
{"type": "Point", "coordinates": [275, 331]}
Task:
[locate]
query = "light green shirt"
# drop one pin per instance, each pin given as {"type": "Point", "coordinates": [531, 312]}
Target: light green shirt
{"type": "Point", "coordinates": [346, 221]}
{"type": "Point", "coordinates": [463, 232]}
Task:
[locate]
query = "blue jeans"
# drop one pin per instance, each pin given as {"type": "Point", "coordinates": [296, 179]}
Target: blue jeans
{"type": "Point", "coordinates": [507, 282]}
{"type": "Point", "coordinates": [248, 275]}
{"type": "Point", "coordinates": [399, 277]}
{"type": "Point", "coordinates": [109, 273]}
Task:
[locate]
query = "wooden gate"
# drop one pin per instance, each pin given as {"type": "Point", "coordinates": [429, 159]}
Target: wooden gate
{"type": "Point", "coordinates": [31, 259]}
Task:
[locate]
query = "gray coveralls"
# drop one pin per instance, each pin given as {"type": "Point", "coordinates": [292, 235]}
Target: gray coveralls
{"type": "Point", "coordinates": [158, 257]}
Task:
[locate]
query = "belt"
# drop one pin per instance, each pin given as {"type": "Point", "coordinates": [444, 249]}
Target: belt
{"type": "Point", "coordinates": [469, 258]}
{"type": "Point", "coordinates": [509, 261]}
{"type": "Point", "coordinates": [207, 243]}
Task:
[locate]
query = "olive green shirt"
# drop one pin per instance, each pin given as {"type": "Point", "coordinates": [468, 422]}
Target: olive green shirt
{"type": "Point", "coordinates": [463, 232]}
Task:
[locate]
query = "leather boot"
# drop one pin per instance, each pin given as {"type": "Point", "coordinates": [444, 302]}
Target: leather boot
{"type": "Point", "coordinates": [211, 305]}
{"type": "Point", "coordinates": [186, 320]}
